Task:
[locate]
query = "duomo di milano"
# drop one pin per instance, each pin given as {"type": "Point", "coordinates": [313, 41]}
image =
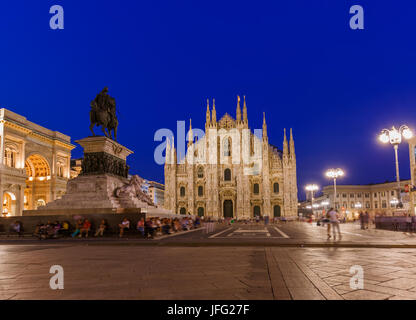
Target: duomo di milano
{"type": "Point", "coordinates": [231, 171]}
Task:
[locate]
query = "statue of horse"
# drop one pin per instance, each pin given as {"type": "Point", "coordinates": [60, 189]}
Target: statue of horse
{"type": "Point", "coordinates": [103, 113]}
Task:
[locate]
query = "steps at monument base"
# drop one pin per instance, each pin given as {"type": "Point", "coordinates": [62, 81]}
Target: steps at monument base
{"type": "Point", "coordinates": [128, 200]}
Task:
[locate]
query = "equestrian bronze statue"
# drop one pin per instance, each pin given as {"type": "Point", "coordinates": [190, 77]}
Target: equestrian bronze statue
{"type": "Point", "coordinates": [103, 113]}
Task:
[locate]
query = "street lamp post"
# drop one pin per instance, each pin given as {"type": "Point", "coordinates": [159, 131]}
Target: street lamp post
{"type": "Point", "coordinates": [334, 174]}
{"type": "Point", "coordinates": [394, 202]}
{"type": "Point", "coordinates": [311, 188]}
{"type": "Point", "coordinates": [394, 136]}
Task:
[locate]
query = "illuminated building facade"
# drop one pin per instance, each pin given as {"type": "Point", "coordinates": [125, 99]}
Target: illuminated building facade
{"type": "Point", "coordinates": [34, 164]}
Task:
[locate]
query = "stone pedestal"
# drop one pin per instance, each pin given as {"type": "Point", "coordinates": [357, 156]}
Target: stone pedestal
{"type": "Point", "coordinates": [104, 156]}
{"type": "Point", "coordinates": [104, 169]}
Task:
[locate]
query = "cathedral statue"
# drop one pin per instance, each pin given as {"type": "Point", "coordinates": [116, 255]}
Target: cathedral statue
{"type": "Point", "coordinates": [103, 113]}
{"type": "Point", "coordinates": [134, 186]}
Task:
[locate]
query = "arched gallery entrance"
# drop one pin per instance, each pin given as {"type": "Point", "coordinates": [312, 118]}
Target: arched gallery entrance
{"type": "Point", "coordinates": [9, 204]}
{"type": "Point", "coordinates": [228, 209]}
{"type": "Point", "coordinates": [37, 190]}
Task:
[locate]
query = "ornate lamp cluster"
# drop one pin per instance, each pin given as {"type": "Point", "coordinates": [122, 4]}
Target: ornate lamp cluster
{"type": "Point", "coordinates": [394, 136]}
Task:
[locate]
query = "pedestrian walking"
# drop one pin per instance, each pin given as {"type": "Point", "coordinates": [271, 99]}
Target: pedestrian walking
{"type": "Point", "coordinates": [334, 222]}
{"type": "Point", "coordinates": [328, 224]}
{"type": "Point", "coordinates": [362, 220]}
{"type": "Point", "coordinates": [366, 220]}
{"type": "Point", "coordinates": [266, 220]}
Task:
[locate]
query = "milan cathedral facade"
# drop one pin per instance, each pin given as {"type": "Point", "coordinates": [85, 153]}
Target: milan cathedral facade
{"type": "Point", "coordinates": [232, 171]}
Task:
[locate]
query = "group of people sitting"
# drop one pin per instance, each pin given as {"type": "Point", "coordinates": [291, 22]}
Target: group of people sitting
{"type": "Point", "coordinates": [52, 229]}
{"type": "Point", "coordinates": [16, 227]}
{"type": "Point", "coordinates": [146, 228]}
{"type": "Point", "coordinates": [150, 227]}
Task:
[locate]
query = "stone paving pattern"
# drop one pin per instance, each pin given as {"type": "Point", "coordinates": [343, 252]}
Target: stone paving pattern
{"type": "Point", "coordinates": [139, 272]}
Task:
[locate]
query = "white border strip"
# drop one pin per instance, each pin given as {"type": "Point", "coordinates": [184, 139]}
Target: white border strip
{"type": "Point", "coordinates": [177, 234]}
{"type": "Point", "coordinates": [217, 234]}
{"type": "Point", "coordinates": [282, 233]}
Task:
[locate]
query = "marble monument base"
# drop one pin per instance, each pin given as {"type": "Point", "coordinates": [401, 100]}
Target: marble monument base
{"type": "Point", "coordinates": [91, 194]}
{"type": "Point", "coordinates": [104, 169]}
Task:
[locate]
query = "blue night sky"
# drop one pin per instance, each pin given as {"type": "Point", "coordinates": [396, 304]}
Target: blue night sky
{"type": "Point", "coordinates": [296, 60]}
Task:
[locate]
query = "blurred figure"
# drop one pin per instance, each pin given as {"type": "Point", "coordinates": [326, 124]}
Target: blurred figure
{"type": "Point", "coordinates": [334, 221]}
{"type": "Point", "coordinates": [101, 228]}
{"type": "Point", "coordinates": [77, 228]}
{"type": "Point", "coordinates": [86, 226]}
{"type": "Point", "coordinates": [124, 226]}
{"type": "Point", "coordinates": [140, 227]}
{"type": "Point", "coordinates": [328, 222]}
{"type": "Point", "coordinates": [362, 219]}
{"type": "Point", "coordinates": [366, 220]}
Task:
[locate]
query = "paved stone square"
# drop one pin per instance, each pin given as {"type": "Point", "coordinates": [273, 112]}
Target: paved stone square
{"type": "Point", "coordinates": [112, 271]}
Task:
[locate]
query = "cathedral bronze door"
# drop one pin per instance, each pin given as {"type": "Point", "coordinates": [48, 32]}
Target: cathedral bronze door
{"type": "Point", "coordinates": [228, 209]}
{"type": "Point", "coordinates": [276, 211]}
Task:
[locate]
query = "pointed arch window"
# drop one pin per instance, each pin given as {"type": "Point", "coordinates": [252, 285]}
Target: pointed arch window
{"type": "Point", "coordinates": [200, 191]}
{"type": "Point", "coordinates": [276, 187]}
{"type": "Point", "coordinates": [277, 211]}
{"type": "Point", "coordinates": [200, 173]}
{"type": "Point", "coordinates": [227, 147]}
{"type": "Point", "coordinates": [227, 175]}
{"type": "Point", "coordinates": [200, 211]}
{"type": "Point", "coordinates": [256, 188]}
{"type": "Point", "coordinates": [182, 192]}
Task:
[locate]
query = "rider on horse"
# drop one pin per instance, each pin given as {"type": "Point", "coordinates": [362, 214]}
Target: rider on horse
{"type": "Point", "coordinates": [103, 112]}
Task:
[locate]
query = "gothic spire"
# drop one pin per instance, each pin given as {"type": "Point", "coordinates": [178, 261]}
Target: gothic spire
{"type": "Point", "coordinates": [285, 147]}
{"type": "Point", "coordinates": [245, 111]}
{"type": "Point", "coordinates": [168, 159]}
{"type": "Point", "coordinates": [174, 156]}
{"type": "Point", "coordinates": [292, 144]}
{"type": "Point", "coordinates": [238, 112]}
{"type": "Point", "coordinates": [264, 127]}
{"type": "Point", "coordinates": [208, 117]}
{"type": "Point", "coordinates": [190, 134]}
{"type": "Point", "coordinates": [214, 113]}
